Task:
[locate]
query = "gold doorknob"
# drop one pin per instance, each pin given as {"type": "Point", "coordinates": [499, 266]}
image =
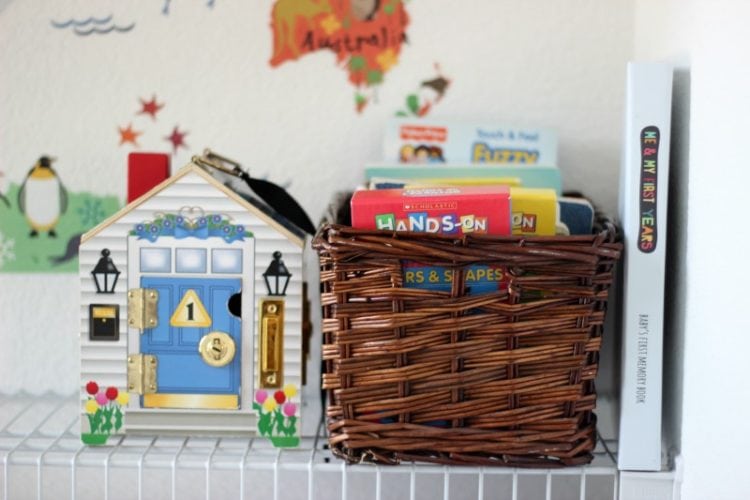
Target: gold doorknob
{"type": "Point", "coordinates": [217, 349]}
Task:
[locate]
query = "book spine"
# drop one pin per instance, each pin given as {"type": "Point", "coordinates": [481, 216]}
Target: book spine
{"type": "Point", "coordinates": [643, 206]}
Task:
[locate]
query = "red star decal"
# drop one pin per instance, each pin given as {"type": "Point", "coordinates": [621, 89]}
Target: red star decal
{"type": "Point", "coordinates": [150, 107]}
{"type": "Point", "coordinates": [177, 138]}
{"type": "Point", "coordinates": [129, 135]}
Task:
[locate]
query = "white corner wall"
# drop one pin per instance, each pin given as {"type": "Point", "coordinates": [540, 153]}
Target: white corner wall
{"type": "Point", "coordinates": [707, 395]}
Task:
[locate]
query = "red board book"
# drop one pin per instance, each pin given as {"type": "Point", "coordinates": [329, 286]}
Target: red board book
{"type": "Point", "coordinates": [455, 211]}
{"type": "Point", "coordinates": [145, 171]}
{"type": "Point", "coordinates": [445, 210]}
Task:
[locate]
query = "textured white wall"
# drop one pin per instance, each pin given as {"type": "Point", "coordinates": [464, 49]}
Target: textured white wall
{"type": "Point", "coordinates": [542, 62]}
{"type": "Point", "coordinates": [711, 340]}
{"type": "Point", "coordinates": [716, 407]}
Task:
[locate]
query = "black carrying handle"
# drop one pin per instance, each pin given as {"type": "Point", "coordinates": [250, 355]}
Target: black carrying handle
{"type": "Point", "coordinates": [274, 195]}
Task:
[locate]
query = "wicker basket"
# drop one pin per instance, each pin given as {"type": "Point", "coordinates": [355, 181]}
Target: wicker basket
{"type": "Point", "coordinates": [502, 378]}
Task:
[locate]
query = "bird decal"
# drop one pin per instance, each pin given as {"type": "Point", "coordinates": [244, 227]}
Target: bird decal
{"type": "Point", "coordinates": [71, 251]}
{"type": "Point", "coordinates": [42, 198]}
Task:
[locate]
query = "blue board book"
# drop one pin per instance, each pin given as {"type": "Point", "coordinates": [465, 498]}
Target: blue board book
{"type": "Point", "coordinates": [577, 214]}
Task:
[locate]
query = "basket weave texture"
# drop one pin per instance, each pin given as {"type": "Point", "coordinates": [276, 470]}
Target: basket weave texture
{"type": "Point", "coordinates": [502, 378]}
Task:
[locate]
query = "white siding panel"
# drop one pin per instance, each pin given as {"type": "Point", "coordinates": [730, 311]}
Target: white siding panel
{"type": "Point", "coordinates": [118, 380]}
{"type": "Point", "coordinates": [104, 347]}
{"type": "Point", "coordinates": [111, 366]}
{"type": "Point", "coordinates": [93, 351]}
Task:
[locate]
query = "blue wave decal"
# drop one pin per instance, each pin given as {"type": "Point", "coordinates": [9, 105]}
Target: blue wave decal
{"type": "Point", "coordinates": [92, 26]}
{"type": "Point", "coordinates": [118, 29]}
{"type": "Point", "coordinates": [73, 22]}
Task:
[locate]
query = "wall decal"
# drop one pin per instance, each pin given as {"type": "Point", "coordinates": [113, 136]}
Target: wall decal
{"type": "Point", "coordinates": [42, 198]}
{"type": "Point", "coordinates": [84, 22]}
{"type": "Point", "coordinates": [167, 3]}
{"type": "Point", "coordinates": [365, 35]}
{"type": "Point", "coordinates": [141, 128]}
{"type": "Point", "coordinates": [7, 250]}
{"type": "Point", "coordinates": [91, 212]}
{"type": "Point", "coordinates": [150, 107]}
{"type": "Point", "coordinates": [177, 139]}
{"type": "Point", "coordinates": [71, 250]}
{"type": "Point", "coordinates": [3, 198]}
{"type": "Point", "coordinates": [430, 92]}
{"type": "Point", "coordinates": [40, 203]}
{"type": "Point", "coordinates": [128, 135]}
{"type": "Point", "coordinates": [93, 26]}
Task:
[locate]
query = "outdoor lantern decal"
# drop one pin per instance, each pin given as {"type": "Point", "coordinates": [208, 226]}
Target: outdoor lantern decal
{"type": "Point", "coordinates": [277, 276]}
{"type": "Point", "coordinates": [105, 274]}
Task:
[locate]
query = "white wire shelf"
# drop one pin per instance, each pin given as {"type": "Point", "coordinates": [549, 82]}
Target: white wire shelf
{"type": "Point", "coordinates": [43, 458]}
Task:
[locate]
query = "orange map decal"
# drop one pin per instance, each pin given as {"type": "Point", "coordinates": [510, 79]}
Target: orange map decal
{"type": "Point", "coordinates": [365, 35]}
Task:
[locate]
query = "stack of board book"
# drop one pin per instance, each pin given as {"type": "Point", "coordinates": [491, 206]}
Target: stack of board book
{"type": "Point", "coordinates": [434, 164]}
{"type": "Point", "coordinates": [448, 153]}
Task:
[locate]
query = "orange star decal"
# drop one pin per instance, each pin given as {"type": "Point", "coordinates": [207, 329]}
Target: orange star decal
{"type": "Point", "coordinates": [150, 107]}
{"type": "Point", "coordinates": [129, 135]}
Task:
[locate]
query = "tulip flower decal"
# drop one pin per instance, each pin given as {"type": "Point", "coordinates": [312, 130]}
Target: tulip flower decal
{"type": "Point", "coordinates": [104, 411]}
{"type": "Point", "coordinates": [277, 416]}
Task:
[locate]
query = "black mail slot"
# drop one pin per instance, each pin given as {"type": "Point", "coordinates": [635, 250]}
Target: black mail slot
{"type": "Point", "coordinates": [104, 322]}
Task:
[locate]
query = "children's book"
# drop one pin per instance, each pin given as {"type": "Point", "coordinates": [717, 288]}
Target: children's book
{"type": "Point", "coordinates": [643, 215]}
{"type": "Point", "coordinates": [534, 211]}
{"type": "Point", "coordinates": [392, 183]}
{"type": "Point", "coordinates": [576, 215]}
{"type": "Point", "coordinates": [532, 176]}
{"type": "Point", "coordinates": [434, 142]}
{"type": "Point", "coordinates": [457, 211]}
{"type": "Point", "coordinates": [443, 210]}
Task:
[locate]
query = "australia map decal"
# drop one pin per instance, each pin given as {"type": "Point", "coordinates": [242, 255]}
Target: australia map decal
{"type": "Point", "coordinates": [365, 35]}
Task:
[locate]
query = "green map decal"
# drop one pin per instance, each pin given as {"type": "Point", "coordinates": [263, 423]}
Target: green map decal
{"type": "Point", "coordinates": [19, 252]}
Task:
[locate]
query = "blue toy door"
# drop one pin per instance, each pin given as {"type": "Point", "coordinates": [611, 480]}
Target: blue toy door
{"type": "Point", "coordinates": [197, 343]}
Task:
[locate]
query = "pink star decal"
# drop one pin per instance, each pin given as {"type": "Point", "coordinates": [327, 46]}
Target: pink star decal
{"type": "Point", "coordinates": [177, 138]}
{"type": "Point", "coordinates": [150, 107]}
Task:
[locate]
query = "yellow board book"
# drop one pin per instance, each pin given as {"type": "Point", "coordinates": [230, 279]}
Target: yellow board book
{"type": "Point", "coordinates": [534, 211]}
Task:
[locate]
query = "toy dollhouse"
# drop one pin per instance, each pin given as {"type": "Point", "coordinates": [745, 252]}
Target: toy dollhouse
{"type": "Point", "coordinates": [191, 315]}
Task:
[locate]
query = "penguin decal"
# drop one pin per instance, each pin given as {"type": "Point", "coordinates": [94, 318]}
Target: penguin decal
{"type": "Point", "coordinates": [42, 198]}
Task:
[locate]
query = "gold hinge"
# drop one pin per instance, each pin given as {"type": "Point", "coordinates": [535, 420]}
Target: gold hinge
{"type": "Point", "coordinates": [142, 373]}
{"type": "Point", "coordinates": [271, 343]}
{"type": "Point", "coordinates": [142, 308]}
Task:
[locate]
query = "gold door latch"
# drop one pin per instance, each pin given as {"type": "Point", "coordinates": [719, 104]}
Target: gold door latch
{"type": "Point", "coordinates": [142, 312]}
{"type": "Point", "coordinates": [217, 349]}
{"type": "Point", "coordinates": [142, 373]}
{"type": "Point", "coordinates": [271, 343]}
